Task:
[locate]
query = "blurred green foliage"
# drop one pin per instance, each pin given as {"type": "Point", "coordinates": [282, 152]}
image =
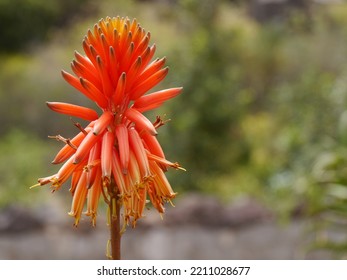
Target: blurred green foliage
{"type": "Point", "coordinates": [22, 156]}
{"type": "Point", "coordinates": [26, 22]}
{"type": "Point", "coordinates": [263, 112]}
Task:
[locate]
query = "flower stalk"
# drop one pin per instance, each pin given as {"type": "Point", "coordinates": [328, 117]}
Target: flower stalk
{"type": "Point", "coordinates": [115, 225]}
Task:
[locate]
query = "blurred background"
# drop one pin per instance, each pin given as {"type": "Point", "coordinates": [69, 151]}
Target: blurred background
{"type": "Point", "coordinates": [261, 128]}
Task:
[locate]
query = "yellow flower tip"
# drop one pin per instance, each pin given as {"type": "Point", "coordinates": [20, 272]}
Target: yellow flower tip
{"type": "Point", "coordinates": [93, 222]}
{"type": "Point", "coordinates": [56, 186]}
{"type": "Point", "coordinates": [92, 214]}
{"type": "Point", "coordinates": [77, 218]}
{"type": "Point", "coordinates": [124, 227]}
{"type": "Point", "coordinates": [46, 180]}
{"type": "Point", "coordinates": [35, 186]}
{"type": "Point", "coordinates": [180, 168]}
{"type": "Point", "coordinates": [71, 213]}
{"type": "Point", "coordinates": [170, 201]}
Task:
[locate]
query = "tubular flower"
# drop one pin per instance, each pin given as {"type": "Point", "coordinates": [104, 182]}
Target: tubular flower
{"type": "Point", "coordinates": [118, 151]}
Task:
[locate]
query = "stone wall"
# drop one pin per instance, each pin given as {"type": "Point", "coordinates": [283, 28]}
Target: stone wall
{"type": "Point", "coordinates": [198, 227]}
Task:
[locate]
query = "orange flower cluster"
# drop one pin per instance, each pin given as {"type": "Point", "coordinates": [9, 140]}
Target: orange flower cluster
{"type": "Point", "coordinates": [118, 153]}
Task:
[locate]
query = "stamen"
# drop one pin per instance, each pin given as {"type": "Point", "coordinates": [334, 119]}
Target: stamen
{"type": "Point", "coordinates": [79, 126]}
{"type": "Point", "coordinates": [160, 122]}
{"type": "Point", "coordinates": [67, 141]}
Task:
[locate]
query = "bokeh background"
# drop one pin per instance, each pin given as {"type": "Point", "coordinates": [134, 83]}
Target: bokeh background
{"type": "Point", "coordinates": [261, 128]}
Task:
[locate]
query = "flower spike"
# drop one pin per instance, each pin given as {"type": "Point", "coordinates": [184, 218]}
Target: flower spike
{"type": "Point", "coordinates": [117, 155]}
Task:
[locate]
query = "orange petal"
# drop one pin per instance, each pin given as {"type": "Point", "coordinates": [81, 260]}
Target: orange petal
{"type": "Point", "coordinates": [86, 87]}
{"type": "Point", "coordinates": [79, 198]}
{"type": "Point", "coordinates": [65, 172]}
{"type": "Point", "coordinates": [134, 77]}
{"type": "Point", "coordinates": [118, 95]}
{"type": "Point", "coordinates": [123, 146]}
{"type": "Point", "coordinates": [134, 29]}
{"type": "Point", "coordinates": [155, 198]}
{"type": "Point", "coordinates": [153, 146]}
{"type": "Point", "coordinates": [150, 69]}
{"type": "Point", "coordinates": [117, 173]}
{"type": "Point", "coordinates": [149, 107]}
{"type": "Point", "coordinates": [93, 93]}
{"type": "Point", "coordinates": [105, 46]}
{"type": "Point", "coordinates": [139, 152]}
{"type": "Point", "coordinates": [125, 41]}
{"type": "Point", "coordinates": [115, 37]}
{"type": "Point", "coordinates": [106, 154]}
{"type": "Point", "coordinates": [75, 82]}
{"type": "Point", "coordinates": [86, 72]}
{"type": "Point", "coordinates": [113, 65]}
{"type": "Point", "coordinates": [125, 62]}
{"type": "Point", "coordinates": [133, 71]}
{"type": "Point", "coordinates": [164, 162]}
{"type": "Point", "coordinates": [141, 122]}
{"type": "Point", "coordinates": [88, 65]}
{"type": "Point", "coordinates": [93, 197]}
{"type": "Point", "coordinates": [134, 170]}
{"type": "Point", "coordinates": [102, 123]}
{"type": "Point", "coordinates": [93, 40]}
{"type": "Point", "coordinates": [105, 78]}
{"type": "Point", "coordinates": [157, 97]}
{"type": "Point", "coordinates": [139, 202]}
{"type": "Point", "coordinates": [162, 185]}
{"type": "Point", "coordinates": [85, 147]}
{"type": "Point", "coordinates": [146, 56]}
{"type": "Point", "coordinates": [88, 50]}
{"type": "Point", "coordinates": [75, 178]}
{"type": "Point", "coordinates": [141, 47]}
{"type": "Point", "coordinates": [93, 163]}
{"type": "Point", "coordinates": [67, 151]}
{"type": "Point", "coordinates": [45, 180]}
{"type": "Point", "coordinates": [149, 83]}
{"type": "Point", "coordinates": [107, 29]}
{"type": "Point", "coordinates": [73, 110]}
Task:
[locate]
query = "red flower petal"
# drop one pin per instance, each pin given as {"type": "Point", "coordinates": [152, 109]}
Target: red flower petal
{"type": "Point", "coordinates": [79, 198]}
{"type": "Point", "coordinates": [73, 110]}
{"type": "Point", "coordinates": [117, 173]}
{"type": "Point", "coordinates": [157, 97]}
{"type": "Point", "coordinates": [93, 93]}
{"type": "Point", "coordinates": [123, 146]}
{"type": "Point", "coordinates": [149, 83]}
{"type": "Point", "coordinates": [93, 163]}
{"type": "Point", "coordinates": [84, 148]}
{"type": "Point", "coordinates": [118, 95]}
{"type": "Point", "coordinates": [106, 155]}
{"type": "Point", "coordinates": [139, 151]}
{"type": "Point", "coordinates": [141, 122]}
{"type": "Point", "coordinates": [101, 124]}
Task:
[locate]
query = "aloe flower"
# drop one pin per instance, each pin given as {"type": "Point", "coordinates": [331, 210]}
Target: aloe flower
{"type": "Point", "coordinates": [117, 155]}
